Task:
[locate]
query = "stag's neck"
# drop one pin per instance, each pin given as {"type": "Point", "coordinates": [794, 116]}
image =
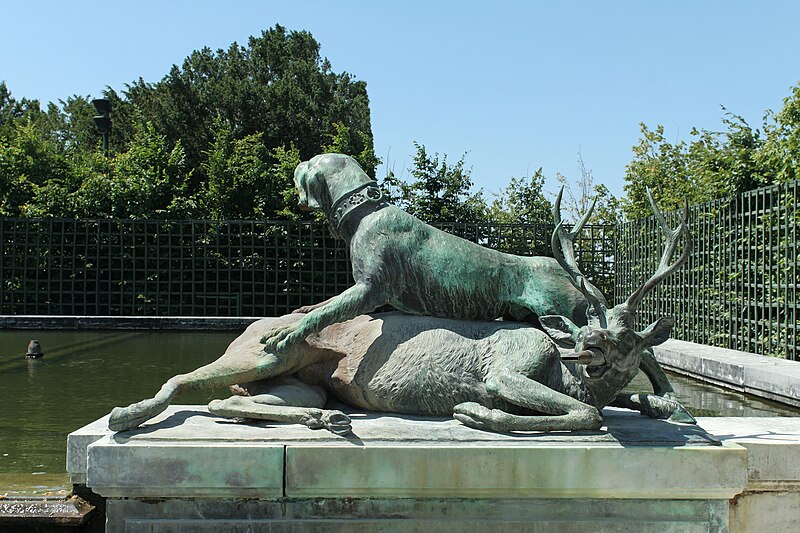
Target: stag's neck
{"type": "Point", "coordinates": [597, 393]}
{"type": "Point", "coordinates": [604, 390]}
{"type": "Point", "coordinates": [574, 384]}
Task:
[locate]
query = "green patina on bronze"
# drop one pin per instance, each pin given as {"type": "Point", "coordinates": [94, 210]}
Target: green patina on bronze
{"type": "Point", "coordinates": [489, 374]}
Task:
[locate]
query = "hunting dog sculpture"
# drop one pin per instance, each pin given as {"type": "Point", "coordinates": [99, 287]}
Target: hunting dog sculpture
{"type": "Point", "coordinates": [491, 375]}
{"type": "Point", "coordinates": [399, 260]}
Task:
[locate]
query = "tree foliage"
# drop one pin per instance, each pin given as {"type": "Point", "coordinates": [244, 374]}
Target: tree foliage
{"type": "Point", "coordinates": [714, 164]}
{"type": "Point", "coordinates": [437, 191]}
{"type": "Point", "coordinates": [217, 137]}
{"type": "Point", "coordinates": [522, 201]}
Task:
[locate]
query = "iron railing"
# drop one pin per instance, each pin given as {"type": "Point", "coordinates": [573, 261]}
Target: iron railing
{"type": "Point", "coordinates": [739, 288]}
{"type": "Point", "coordinates": [211, 268]}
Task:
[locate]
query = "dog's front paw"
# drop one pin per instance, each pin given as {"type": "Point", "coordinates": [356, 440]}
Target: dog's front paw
{"type": "Point", "coordinates": [274, 340]}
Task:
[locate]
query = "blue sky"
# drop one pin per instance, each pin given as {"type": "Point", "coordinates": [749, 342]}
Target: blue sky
{"type": "Point", "coordinates": [516, 85]}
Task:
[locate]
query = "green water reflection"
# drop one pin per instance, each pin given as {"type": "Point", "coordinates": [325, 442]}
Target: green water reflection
{"type": "Point", "coordinates": [82, 376]}
{"type": "Point", "coordinates": [85, 374]}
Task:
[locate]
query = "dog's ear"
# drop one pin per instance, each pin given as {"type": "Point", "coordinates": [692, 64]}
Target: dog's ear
{"type": "Point", "coordinates": [309, 182]}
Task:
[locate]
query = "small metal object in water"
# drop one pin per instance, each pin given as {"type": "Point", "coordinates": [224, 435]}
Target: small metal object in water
{"type": "Point", "coordinates": [34, 350]}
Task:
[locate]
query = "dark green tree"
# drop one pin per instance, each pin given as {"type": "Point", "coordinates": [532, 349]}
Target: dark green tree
{"type": "Point", "coordinates": [148, 181]}
{"type": "Point", "coordinates": [662, 167]}
{"type": "Point", "coordinates": [30, 161]}
{"type": "Point", "coordinates": [356, 143]}
{"type": "Point", "coordinates": [223, 131]}
{"type": "Point", "coordinates": [278, 86]}
{"type": "Point", "coordinates": [245, 180]}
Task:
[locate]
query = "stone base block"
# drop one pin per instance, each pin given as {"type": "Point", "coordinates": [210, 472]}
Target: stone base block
{"type": "Point", "coordinates": [439, 515]}
{"type": "Point", "coordinates": [188, 470]}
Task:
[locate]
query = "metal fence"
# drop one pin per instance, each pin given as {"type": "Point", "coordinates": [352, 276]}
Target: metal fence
{"type": "Point", "coordinates": [212, 268]}
{"type": "Point", "coordinates": [739, 288]}
{"type": "Point", "coordinates": [172, 268]}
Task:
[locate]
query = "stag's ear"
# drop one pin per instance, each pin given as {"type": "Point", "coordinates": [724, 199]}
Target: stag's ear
{"type": "Point", "coordinates": [561, 329]}
{"type": "Point", "coordinates": [658, 331]}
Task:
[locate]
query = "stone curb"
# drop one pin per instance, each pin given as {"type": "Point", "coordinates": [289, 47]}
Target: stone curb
{"type": "Point", "coordinates": [765, 377]}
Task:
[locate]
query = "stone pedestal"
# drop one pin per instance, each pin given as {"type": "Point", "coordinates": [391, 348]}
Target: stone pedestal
{"type": "Point", "coordinates": [771, 499]}
{"type": "Point", "coordinates": [190, 470]}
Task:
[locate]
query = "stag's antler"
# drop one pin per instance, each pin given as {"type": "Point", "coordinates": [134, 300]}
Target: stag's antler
{"type": "Point", "coordinates": [562, 244]}
{"type": "Point", "coordinates": [664, 268]}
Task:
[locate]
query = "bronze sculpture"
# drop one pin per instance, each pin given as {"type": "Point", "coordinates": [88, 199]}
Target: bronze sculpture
{"type": "Point", "coordinates": [489, 374]}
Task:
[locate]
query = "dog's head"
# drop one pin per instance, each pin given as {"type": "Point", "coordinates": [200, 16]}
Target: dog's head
{"type": "Point", "coordinates": [321, 180]}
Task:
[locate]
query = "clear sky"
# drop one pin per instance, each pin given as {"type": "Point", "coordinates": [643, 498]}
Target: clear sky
{"type": "Point", "coordinates": [517, 85]}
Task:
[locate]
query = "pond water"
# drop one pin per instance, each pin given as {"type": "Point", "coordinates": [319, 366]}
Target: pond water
{"type": "Point", "coordinates": [84, 374]}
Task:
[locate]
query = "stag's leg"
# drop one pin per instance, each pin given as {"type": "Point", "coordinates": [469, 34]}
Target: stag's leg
{"type": "Point", "coordinates": [213, 375]}
{"type": "Point", "coordinates": [296, 403]}
{"type": "Point", "coordinates": [661, 385]}
{"type": "Point", "coordinates": [564, 412]}
{"type": "Point", "coordinates": [243, 361]}
{"type": "Point", "coordinates": [356, 300]}
{"type": "Point", "coordinates": [655, 407]}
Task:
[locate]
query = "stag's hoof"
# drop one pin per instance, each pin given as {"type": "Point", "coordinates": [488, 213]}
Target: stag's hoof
{"type": "Point", "coordinates": [680, 414]}
{"type": "Point", "coordinates": [337, 422]}
{"type": "Point", "coordinates": [123, 418]}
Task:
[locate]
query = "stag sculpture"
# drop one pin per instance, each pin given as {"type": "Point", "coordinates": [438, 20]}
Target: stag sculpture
{"type": "Point", "coordinates": [491, 375]}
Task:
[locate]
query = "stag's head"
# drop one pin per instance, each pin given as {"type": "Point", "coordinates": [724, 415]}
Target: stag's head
{"type": "Point", "coordinates": [608, 345]}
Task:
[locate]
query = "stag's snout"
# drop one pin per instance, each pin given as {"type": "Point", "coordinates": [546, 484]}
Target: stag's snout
{"type": "Point", "coordinates": [592, 352]}
{"type": "Point", "coordinates": [598, 344]}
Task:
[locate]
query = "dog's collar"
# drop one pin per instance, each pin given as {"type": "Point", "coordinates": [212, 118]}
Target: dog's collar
{"type": "Point", "coordinates": [366, 193]}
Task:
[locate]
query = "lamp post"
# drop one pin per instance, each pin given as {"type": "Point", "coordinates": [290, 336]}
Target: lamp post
{"type": "Point", "coordinates": [103, 121]}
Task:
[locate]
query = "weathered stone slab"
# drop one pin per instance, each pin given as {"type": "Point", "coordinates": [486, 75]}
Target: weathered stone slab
{"type": "Point", "coordinates": [186, 422]}
{"type": "Point", "coordinates": [43, 512]}
{"type": "Point", "coordinates": [193, 423]}
{"type": "Point", "coordinates": [773, 448]}
{"type": "Point", "coordinates": [771, 500]}
{"type": "Point", "coordinates": [537, 471]}
{"type": "Point", "coordinates": [194, 468]}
